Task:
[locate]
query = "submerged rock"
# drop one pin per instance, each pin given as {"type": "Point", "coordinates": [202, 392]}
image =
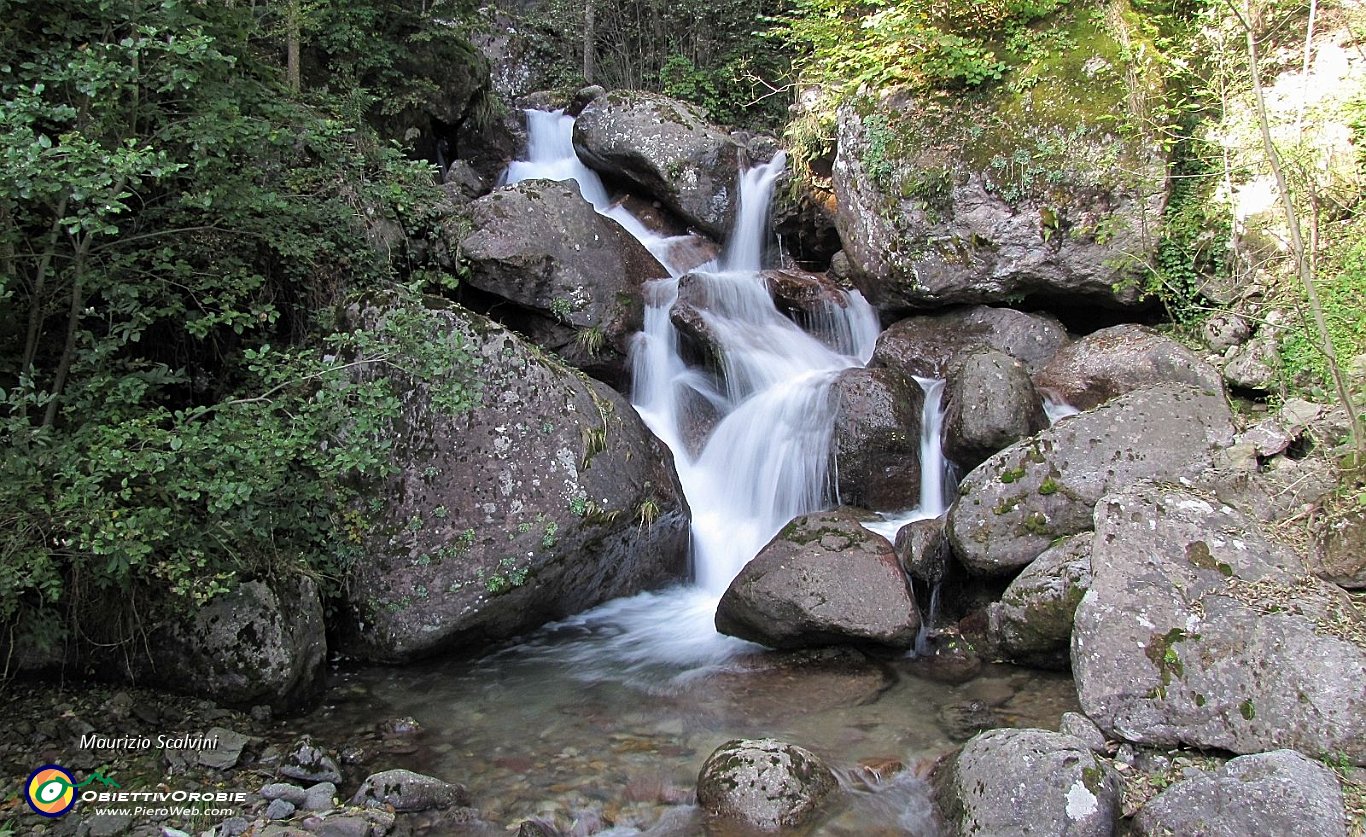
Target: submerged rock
{"type": "Point", "coordinates": [763, 783]}
{"type": "Point", "coordinates": [990, 404]}
{"type": "Point", "coordinates": [1006, 778]}
{"type": "Point", "coordinates": [1282, 793]}
{"type": "Point", "coordinates": [574, 276]}
{"type": "Point", "coordinates": [1200, 630]}
{"type": "Point", "coordinates": [666, 149]}
{"type": "Point", "coordinates": [926, 346]}
{"type": "Point", "coordinates": [822, 580]}
{"type": "Point", "coordinates": [876, 442]}
{"type": "Point", "coordinates": [543, 498]}
{"type": "Point", "coordinates": [1113, 361]}
{"type": "Point", "coordinates": [1012, 506]}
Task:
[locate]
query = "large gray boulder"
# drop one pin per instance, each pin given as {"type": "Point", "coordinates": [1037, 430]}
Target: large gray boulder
{"type": "Point", "coordinates": [1282, 793]}
{"type": "Point", "coordinates": [876, 441]}
{"type": "Point", "coordinates": [1032, 623]}
{"type": "Point", "coordinates": [666, 149]}
{"type": "Point", "coordinates": [1012, 506]}
{"type": "Point", "coordinates": [926, 346]}
{"type": "Point", "coordinates": [544, 497]}
{"type": "Point", "coordinates": [574, 276]}
{"type": "Point", "coordinates": [262, 643]}
{"type": "Point", "coordinates": [936, 207]}
{"type": "Point", "coordinates": [763, 784]}
{"type": "Point", "coordinates": [990, 404]}
{"type": "Point", "coordinates": [822, 580]}
{"type": "Point", "coordinates": [1341, 553]}
{"type": "Point", "coordinates": [1121, 359]}
{"type": "Point", "coordinates": [1200, 630]}
{"type": "Point", "coordinates": [1028, 781]}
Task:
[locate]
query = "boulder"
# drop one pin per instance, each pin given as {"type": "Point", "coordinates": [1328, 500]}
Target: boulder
{"type": "Point", "coordinates": [822, 580]}
{"type": "Point", "coordinates": [936, 207]}
{"type": "Point", "coordinates": [1271, 489]}
{"type": "Point", "coordinates": [763, 784]}
{"type": "Point", "coordinates": [1121, 359]}
{"type": "Point", "coordinates": [261, 643]}
{"type": "Point", "coordinates": [1032, 623]}
{"type": "Point", "coordinates": [1225, 330]}
{"type": "Point", "coordinates": [407, 791]}
{"type": "Point", "coordinates": [1199, 630]}
{"type": "Point", "coordinates": [522, 492]}
{"type": "Point", "coordinates": [1282, 793]}
{"type": "Point", "coordinates": [1255, 365]}
{"type": "Point", "coordinates": [926, 346]}
{"type": "Point", "coordinates": [666, 149]}
{"type": "Point", "coordinates": [1006, 778]}
{"type": "Point", "coordinates": [307, 762]}
{"type": "Point", "coordinates": [876, 442]}
{"type": "Point", "coordinates": [1012, 506]}
{"type": "Point", "coordinates": [923, 549]}
{"type": "Point", "coordinates": [573, 275]}
{"type": "Point", "coordinates": [1341, 553]}
{"type": "Point", "coordinates": [990, 404]}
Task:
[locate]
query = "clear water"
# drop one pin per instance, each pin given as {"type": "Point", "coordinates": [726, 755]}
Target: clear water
{"type": "Point", "coordinates": [602, 721]}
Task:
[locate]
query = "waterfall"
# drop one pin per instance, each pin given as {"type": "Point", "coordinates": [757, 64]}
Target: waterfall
{"type": "Point", "coordinates": [937, 478]}
{"type": "Point", "coordinates": [765, 458]}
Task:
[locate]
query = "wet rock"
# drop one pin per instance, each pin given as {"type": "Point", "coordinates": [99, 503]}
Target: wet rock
{"type": "Point", "coordinates": [947, 219]}
{"type": "Point", "coordinates": [822, 580]}
{"type": "Point", "coordinates": [1080, 727]}
{"type": "Point", "coordinates": [1012, 506]}
{"type": "Point", "coordinates": [308, 763]}
{"type": "Point", "coordinates": [570, 271]}
{"type": "Point", "coordinates": [990, 404]}
{"type": "Point", "coordinates": [407, 791]}
{"type": "Point", "coordinates": [1280, 792]}
{"type": "Point", "coordinates": [666, 149]}
{"type": "Point", "coordinates": [923, 549]}
{"type": "Point", "coordinates": [926, 346]}
{"type": "Point", "coordinates": [1032, 623]}
{"type": "Point", "coordinates": [261, 643]}
{"type": "Point", "coordinates": [876, 441]}
{"type": "Point", "coordinates": [803, 296]}
{"type": "Point", "coordinates": [1007, 777]}
{"type": "Point", "coordinates": [1200, 630]}
{"type": "Point", "coordinates": [1341, 557]}
{"type": "Point", "coordinates": [961, 721]}
{"type": "Point", "coordinates": [1113, 361]}
{"type": "Point", "coordinates": [944, 656]}
{"type": "Point", "coordinates": [689, 315]}
{"type": "Point", "coordinates": [763, 783]}
{"type": "Point", "coordinates": [537, 828]}
{"type": "Point", "coordinates": [546, 497]}
{"type": "Point", "coordinates": [774, 686]}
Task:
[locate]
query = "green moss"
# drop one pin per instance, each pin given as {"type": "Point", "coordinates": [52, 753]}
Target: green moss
{"type": "Point", "coordinates": [1048, 486]}
{"type": "Point", "coordinates": [1247, 710]}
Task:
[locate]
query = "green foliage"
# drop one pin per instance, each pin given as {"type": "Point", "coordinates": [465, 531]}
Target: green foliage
{"type": "Point", "coordinates": [175, 415]}
{"type": "Point", "coordinates": [1342, 287]}
{"type": "Point", "coordinates": [1190, 247]}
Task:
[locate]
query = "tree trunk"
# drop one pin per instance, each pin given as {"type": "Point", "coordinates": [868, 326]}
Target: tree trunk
{"type": "Point", "coordinates": [590, 41]}
{"type": "Point", "coordinates": [292, 73]}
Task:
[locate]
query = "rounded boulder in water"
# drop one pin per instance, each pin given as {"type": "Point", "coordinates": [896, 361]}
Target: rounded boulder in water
{"type": "Point", "coordinates": [763, 783]}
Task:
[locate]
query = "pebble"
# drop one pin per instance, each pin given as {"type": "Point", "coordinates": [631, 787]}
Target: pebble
{"type": "Point", "coordinates": [279, 809]}
{"type": "Point", "coordinates": [232, 827]}
{"type": "Point", "coordinates": [109, 825]}
{"type": "Point", "coordinates": [319, 797]}
{"type": "Point", "coordinates": [292, 794]}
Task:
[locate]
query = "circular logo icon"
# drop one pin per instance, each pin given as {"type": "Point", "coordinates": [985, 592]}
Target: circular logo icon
{"type": "Point", "coordinates": [51, 790]}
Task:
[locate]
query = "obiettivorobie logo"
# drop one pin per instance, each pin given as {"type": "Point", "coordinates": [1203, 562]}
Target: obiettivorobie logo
{"type": "Point", "coordinates": [51, 789]}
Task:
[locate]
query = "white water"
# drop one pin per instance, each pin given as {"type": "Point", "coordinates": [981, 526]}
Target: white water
{"type": "Point", "coordinates": [766, 458]}
{"type": "Point", "coordinates": [936, 472]}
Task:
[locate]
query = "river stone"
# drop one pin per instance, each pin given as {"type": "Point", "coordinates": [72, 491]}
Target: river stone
{"type": "Point", "coordinates": [876, 442]}
{"type": "Point", "coordinates": [1341, 558]}
{"type": "Point", "coordinates": [1282, 793]}
{"type": "Point", "coordinates": [806, 297]}
{"type": "Point", "coordinates": [923, 549]}
{"type": "Point", "coordinates": [926, 346]}
{"type": "Point", "coordinates": [1121, 359]}
{"type": "Point", "coordinates": [773, 687]}
{"type": "Point", "coordinates": [1084, 730]}
{"type": "Point", "coordinates": [293, 794]}
{"type": "Point", "coordinates": [666, 149]}
{"type": "Point", "coordinates": [1199, 630]}
{"type": "Point", "coordinates": [1013, 505]}
{"type": "Point", "coordinates": [990, 404]}
{"type": "Point", "coordinates": [308, 763]}
{"type": "Point", "coordinates": [1007, 779]}
{"type": "Point", "coordinates": [931, 211]}
{"type": "Point", "coordinates": [407, 791]}
{"type": "Point", "coordinates": [261, 643]}
{"type": "Point", "coordinates": [1032, 623]}
{"type": "Point", "coordinates": [547, 497]}
{"type": "Point", "coordinates": [568, 271]}
{"type": "Point", "coordinates": [763, 783]}
{"type": "Point", "coordinates": [822, 580]}
{"type": "Point", "coordinates": [961, 721]}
